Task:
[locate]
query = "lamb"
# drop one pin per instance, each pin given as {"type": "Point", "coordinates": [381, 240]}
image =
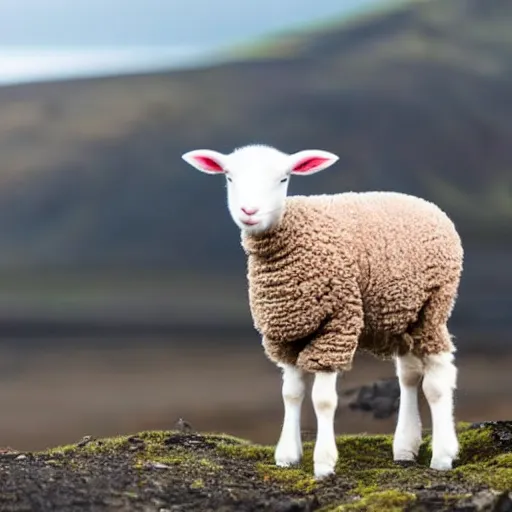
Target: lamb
{"type": "Point", "coordinates": [331, 275]}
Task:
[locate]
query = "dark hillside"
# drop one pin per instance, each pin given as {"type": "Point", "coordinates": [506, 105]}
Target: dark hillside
{"type": "Point", "coordinates": [416, 99]}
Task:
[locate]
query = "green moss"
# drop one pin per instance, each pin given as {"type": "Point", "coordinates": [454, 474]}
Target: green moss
{"type": "Point", "coordinates": [246, 451]}
{"type": "Point", "coordinates": [106, 445]}
{"type": "Point", "coordinates": [359, 452]}
{"type": "Point", "coordinates": [454, 498]}
{"type": "Point", "coordinates": [504, 460]}
{"type": "Point", "coordinates": [368, 462]}
{"type": "Point", "coordinates": [160, 454]}
{"type": "Point", "coordinates": [498, 478]}
{"type": "Point", "coordinates": [392, 500]}
{"type": "Point", "coordinates": [59, 450]}
{"type": "Point", "coordinates": [364, 490]}
{"type": "Point", "coordinates": [152, 449]}
{"type": "Point", "coordinates": [225, 438]}
{"type": "Point", "coordinates": [367, 481]}
{"type": "Point", "coordinates": [177, 457]}
{"type": "Point", "coordinates": [463, 425]}
{"type": "Point", "coordinates": [192, 464]}
{"type": "Point", "coordinates": [365, 470]}
{"type": "Point", "coordinates": [155, 436]}
{"type": "Point", "coordinates": [496, 472]}
{"type": "Point", "coordinates": [476, 444]}
{"type": "Point", "coordinates": [54, 462]}
{"type": "Point", "coordinates": [480, 461]}
{"type": "Point", "coordinates": [197, 484]}
{"type": "Point", "coordinates": [210, 465]}
{"type": "Point", "coordinates": [290, 479]}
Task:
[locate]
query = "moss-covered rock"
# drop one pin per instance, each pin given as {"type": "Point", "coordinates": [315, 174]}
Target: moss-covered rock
{"type": "Point", "coordinates": [159, 470]}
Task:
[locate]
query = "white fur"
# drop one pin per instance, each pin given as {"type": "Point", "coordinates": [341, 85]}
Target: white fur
{"type": "Point", "coordinates": [289, 447]}
{"type": "Point", "coordinates": [257, 180]}
{"type": "Point", "coordinates": [439, 382]}
{"type": "Point", "coordinates": [407, 440]}
{"type": "Point", "coordinates": [325, 401]}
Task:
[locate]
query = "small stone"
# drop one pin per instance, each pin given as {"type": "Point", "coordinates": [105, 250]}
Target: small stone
{"type": "Point", "coordinates": [84, 441]}
{"type": "Point", "coordinates": [8, 451]}
{"type": "Point", "coordinates": [135, 440]}
{"type": "Point", "coordinates": [183, 426]}
{"type": "Point", "coordinates": [504, 503]}
{"type": "Point", "coordinates": [483, 500]}
{"type": "Point", "coordinates": [157, 465]}
{"type": "Point", "coordinates": [21, 457]}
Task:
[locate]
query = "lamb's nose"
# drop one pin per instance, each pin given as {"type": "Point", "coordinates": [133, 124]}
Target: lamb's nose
{"type": "Point", "coordinates": [249, 211]}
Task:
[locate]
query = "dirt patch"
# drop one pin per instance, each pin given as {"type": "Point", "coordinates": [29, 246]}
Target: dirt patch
{"type": "Point", "coordinates": [188, 471]}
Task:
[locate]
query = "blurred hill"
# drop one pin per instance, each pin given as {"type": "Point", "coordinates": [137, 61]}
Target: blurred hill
{"type": "Point", "coordinates": [417, 98]}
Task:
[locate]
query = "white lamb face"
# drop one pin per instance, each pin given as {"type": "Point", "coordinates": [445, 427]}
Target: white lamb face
{"type": "Point", "coordinates": [257, 180]}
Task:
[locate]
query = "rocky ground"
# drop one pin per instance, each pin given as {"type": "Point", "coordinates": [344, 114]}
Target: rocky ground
{"type": "Point", "coordinates": [182, 470]}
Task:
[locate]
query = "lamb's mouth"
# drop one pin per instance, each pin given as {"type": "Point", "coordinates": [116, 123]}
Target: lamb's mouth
{"type": "Point", "coordinates": [249, 222]}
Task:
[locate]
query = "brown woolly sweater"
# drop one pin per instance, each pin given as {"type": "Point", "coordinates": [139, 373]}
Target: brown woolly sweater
{"type": "Point", "coordinates": [375, 271]}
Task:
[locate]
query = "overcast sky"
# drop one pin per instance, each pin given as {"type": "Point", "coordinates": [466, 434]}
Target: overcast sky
{"type": "Point", "coordinates": [60, 39]}
{"type": "Point", "coordinates": [157, 22]}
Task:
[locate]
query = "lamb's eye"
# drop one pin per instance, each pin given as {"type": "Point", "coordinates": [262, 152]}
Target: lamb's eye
{"type": "Point", "coordinates": [284, 180]}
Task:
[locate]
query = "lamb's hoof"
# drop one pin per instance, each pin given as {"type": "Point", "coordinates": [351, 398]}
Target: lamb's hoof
{"type": "Point", "coordinates": [405, 463]}
{"type": "Point", "coordinates": [405, 457]}
{"type": "Point", "coordinates": [288, 457]}
{"type": "Point", "coordinates": [441, 463]}
{"type": "Point", "coordinates": [287, 463]}
{"type": "Point", "coordinates": [323, 471]}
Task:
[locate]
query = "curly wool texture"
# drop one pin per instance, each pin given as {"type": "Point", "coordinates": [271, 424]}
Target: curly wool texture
{"type": "Point", "coordinates": [373, 271]}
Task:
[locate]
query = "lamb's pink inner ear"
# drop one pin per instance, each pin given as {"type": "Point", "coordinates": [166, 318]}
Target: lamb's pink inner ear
{"type": "Point", "coordinates": [209, 163]}
{"type": "Point", "coordinates": [309, 164]}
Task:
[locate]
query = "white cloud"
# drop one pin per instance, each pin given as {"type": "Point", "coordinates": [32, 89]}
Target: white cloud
{"type": "Point", "coordinates": [33, 64]}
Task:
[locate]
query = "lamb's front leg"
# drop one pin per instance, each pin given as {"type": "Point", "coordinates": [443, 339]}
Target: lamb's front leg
{"type": "Point", "coordinates": [325, 401]}
{"type": "Point", "coordinates": [331, 352]}
{"type": "Point", "coordinates": [289, 447]}
{"type": "Point", "coordinates": [407, 438]}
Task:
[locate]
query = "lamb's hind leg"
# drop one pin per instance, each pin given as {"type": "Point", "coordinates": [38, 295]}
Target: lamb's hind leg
{"type": "Point", "coordinates": [439, 384]}
{"type": "Point", "coordinates": [433, 343]}
{"type": "Point", "coordinates": [289, 447]}
{"type": "Point", "coordinates": [407, 439]}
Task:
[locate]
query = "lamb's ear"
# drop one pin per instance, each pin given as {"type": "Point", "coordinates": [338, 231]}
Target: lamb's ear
{"type": "Point", "coordinates": [310, 161]}
{"type": "Point", "coordinates": [206, 160]}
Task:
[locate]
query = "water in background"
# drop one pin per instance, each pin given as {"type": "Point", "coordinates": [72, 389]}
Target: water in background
{"type": "Point", "coordinates": [35, 64]}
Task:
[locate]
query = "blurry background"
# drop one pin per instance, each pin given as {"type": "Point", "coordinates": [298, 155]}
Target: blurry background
{"type": "Point", "coordinates": [123, 302]}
